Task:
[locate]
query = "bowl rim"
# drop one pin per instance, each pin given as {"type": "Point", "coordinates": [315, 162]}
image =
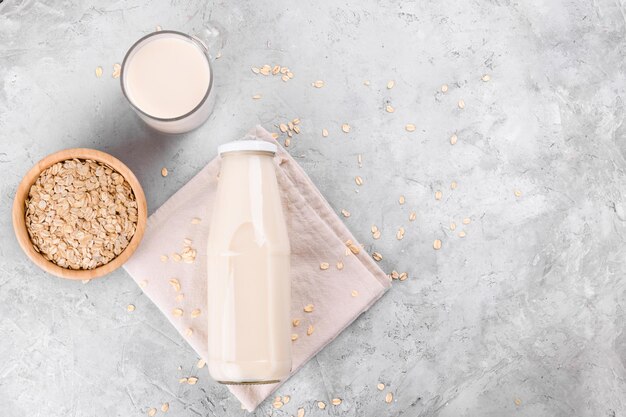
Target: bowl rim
{"type": "Point", "coordinates": [19, 213]}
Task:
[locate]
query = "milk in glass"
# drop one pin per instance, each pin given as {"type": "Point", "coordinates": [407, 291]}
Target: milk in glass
{"type": "Point", "coordinates": [167, 78]}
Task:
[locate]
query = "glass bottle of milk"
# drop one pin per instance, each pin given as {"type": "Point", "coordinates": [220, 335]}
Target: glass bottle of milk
{"type": "Point", "coordinates": [249, 289]}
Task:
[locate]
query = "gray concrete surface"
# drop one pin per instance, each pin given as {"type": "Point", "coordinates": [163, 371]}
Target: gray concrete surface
{"type": "Point", "coordinates": [525, 316]}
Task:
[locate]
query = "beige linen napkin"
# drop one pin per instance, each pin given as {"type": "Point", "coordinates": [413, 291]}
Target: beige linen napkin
{"type": "Point", "coordinates": [172, 254]}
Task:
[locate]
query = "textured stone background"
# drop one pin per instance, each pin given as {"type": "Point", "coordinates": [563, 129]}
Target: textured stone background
{"type": "Point", "coordinates": [529, 306]}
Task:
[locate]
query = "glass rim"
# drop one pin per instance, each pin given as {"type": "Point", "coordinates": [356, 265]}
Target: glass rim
{"type": "Point", "coordinates": [198, 43]}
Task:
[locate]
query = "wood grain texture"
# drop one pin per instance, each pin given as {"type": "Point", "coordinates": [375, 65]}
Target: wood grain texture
{"type": "Point", "coordinates": [19, 209]}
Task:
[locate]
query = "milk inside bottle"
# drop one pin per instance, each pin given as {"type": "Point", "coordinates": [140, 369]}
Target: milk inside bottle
{"type": "Point", "coordinates": [249, 289]}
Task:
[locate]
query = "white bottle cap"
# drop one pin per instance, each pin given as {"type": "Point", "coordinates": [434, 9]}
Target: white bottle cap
{"type": "Point", "coordinates": [247, 145]}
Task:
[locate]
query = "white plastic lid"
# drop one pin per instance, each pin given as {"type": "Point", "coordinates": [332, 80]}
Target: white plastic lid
{"type": "Point", "coordinates": [247, 145]}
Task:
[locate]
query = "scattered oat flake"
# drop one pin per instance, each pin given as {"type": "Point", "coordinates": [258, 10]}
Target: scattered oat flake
{"type": "Point", "coordinates": [294, 337]}
{"type": "Point", "coordinates": [394, 274]}
{"type": "Point", "coordinates": [403, 276]}
{"type": "Point", "coordinates": [444, 88]}
{"type": "Point", "coordinates": [283, 127]}
{"type": "Point", "coordinates": [353, 248]}
{"type": "Point", "coordinates": [453, 139]}
{"type": "Point", "coordinates": [466, 220]}
{"type": "Point", "coordinates": [437, 244]}
{"type": "Point", "coordinates": [142, 284]}
{"type": "Point", "coordinates": [358, 180]}
{"type": "Point", "coordinates": [189, 332]}
{"type": "Point", "coordinates": [318, 84]}
{"type": "Point", "coordinates": [389, 108]}
{"type": "Point", "coordinates": [377, 256]}
{"type": "Point", "coordinates": [182, 380]}
{"type": "Point", "coordinates": [321, 405]}
{"type": "Point", "coordinates": [98, 72]}
{"type": "Point", "coordinates": [376, 235]}
{"type": "Point", "coordinates": [175, 284]}
{"type": "Point", "coordinates": [518, 402]}
{"type": "Point", "coordinates": [152, 412]}
{"type": "Point", "coordinates": [286, 399]}
{"type": "Point", "coordinates": [401, 200]}
{"type": "Point", "coordinates": [256, 97]}
{"type": "Point", "coordinates": [295, 322]}
{"type": "Point", "coordinates": [196, 220]}
{"type": "Point", "coordinates": [287, 142]}
{"type": "Point", "coordinates": [400, 233]}
{"type": "Point", "coordinates": [164, 172]}
{"type": "Point", "coordinates": [176, 257]}
{"type": "Point", "coordinates": [390, 84]}
{"type": "Point", "coordinates": [336, 401]}
{"type": "Point", "coordinates": [86, 281]}
{"type": "Point", "coordinates": [309, 330]}
{"type": "Point", "coordinates": [130, 308]}
{"type": "Point", "coordinates": [486, 77]}
{"type": "Point", "coordinates": [380, 386]}
{"type": "Point", "coordinates": [345, 127]}
{"type": "Point", "coordinates": [366, 82]}
{"type": "Point", "coordinates": [277, 404]}
{"type": "Point", "coordinates": [359, 160]}
{"type": "Point", "coordinates": [410, 127]}
{"type": "Point", "coordinates": [412, 216]}
{"type": "Point", "coordinates": [461, 104]}
{"type": "Point", "coordinates": [192, 380]}
{"type": "Point", "coordinates": [324, 266]}
{"type": "Point", "coordinates": [255, 70]}
{"type": "Point", "coordinates": [165, 407]}
{"type": "Point", "coordinates": [452, 226]}
{"type": "Point", "coordinates": [345, 213]}
{"type": "Point", "coordinates": [177, 312]}
{"type": "Point", "coordinates": [438, 195]}
{"type": "Point", "coordinates": [275, 135]}
{"type": "Point", "coordinates": [389, 397]}
{"type": "Point", "coordinates": [163, 258]}
{"type": "Point", "coordinates": [201, 363]}
{"type": "Point", "coordinates": [308, 308]}
{"type": "Point", "coordinates": [340, 265]}
{"type": "Point", "coordinates": [462, 233]}
{"type": "Point", "coordinates": [453, 185]}
{"type": "Point", "coordinates": [325, 133]}
{"type": "Point", "coordinates": [196, 313]}
{"type": "Point", "coordinates": [158, 28]}
{"type": "Point", "coordinates": [354, 293]}
{"type": "Point", "coordinates": [117, 68]}
{"type": "Point", "coordinates": [517, 193]}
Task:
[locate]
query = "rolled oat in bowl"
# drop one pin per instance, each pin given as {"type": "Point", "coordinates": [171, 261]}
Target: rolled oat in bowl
{"type": "Point", "coordinates": [80, 214]}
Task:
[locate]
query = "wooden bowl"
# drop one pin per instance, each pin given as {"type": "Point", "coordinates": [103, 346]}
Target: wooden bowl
{"type": "Point", "coordinates": [19, 211]}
